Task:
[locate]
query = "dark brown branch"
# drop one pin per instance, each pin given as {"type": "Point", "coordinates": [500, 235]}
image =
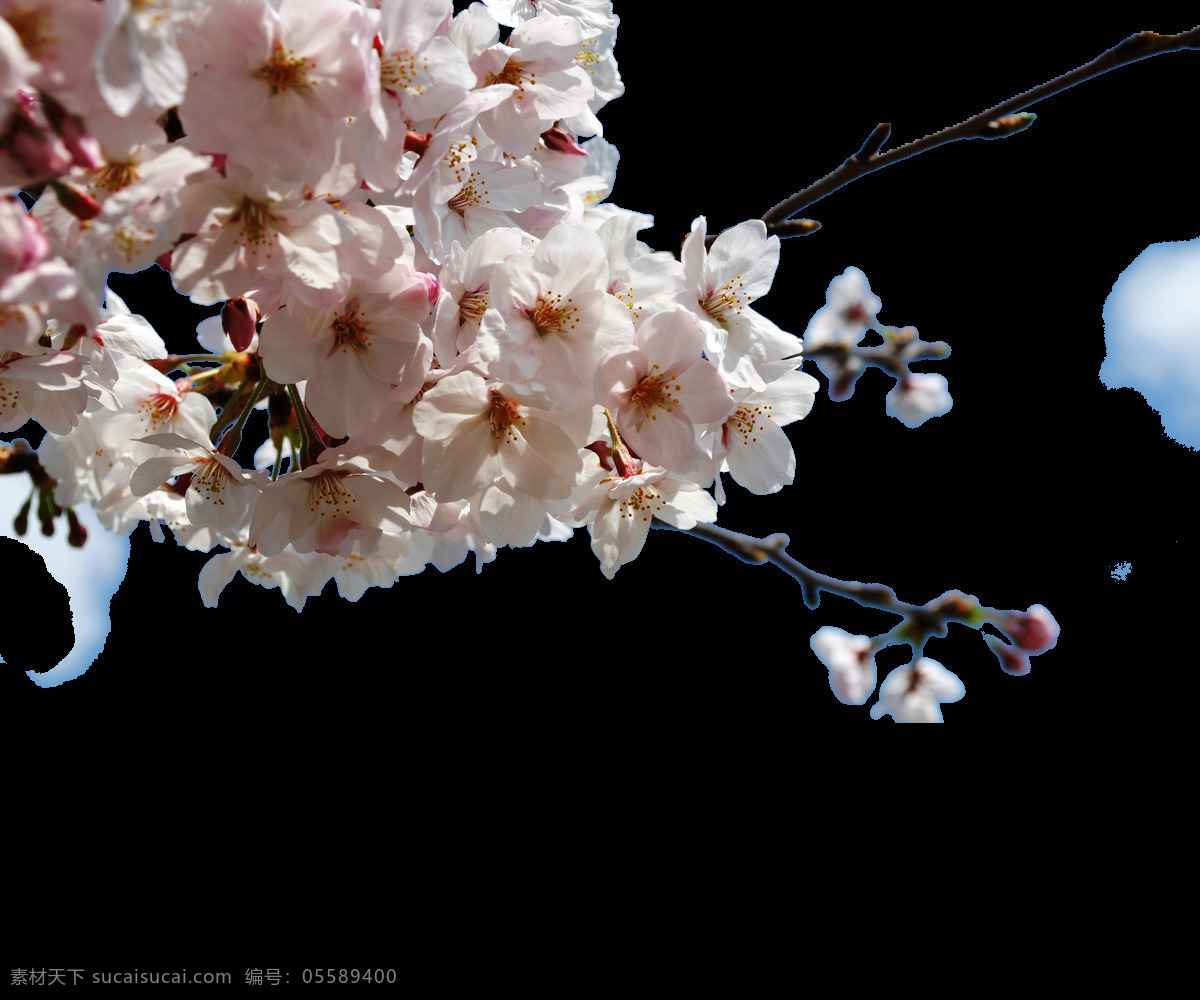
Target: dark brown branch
{"type": "Point", "coordinates": [986, 124]}
{"type": "Point", "coordinates": [920, 622]}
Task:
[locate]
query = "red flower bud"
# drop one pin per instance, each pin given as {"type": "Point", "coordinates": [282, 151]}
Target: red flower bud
{"type": "Point", "coordinates": [1012, 660]}
{"type": "Point", "coordinates": [1034, 631]}
{"type": "Point", "coordinates": [239, 317]}
{"type": "Point", "coordinates": [562, 141]}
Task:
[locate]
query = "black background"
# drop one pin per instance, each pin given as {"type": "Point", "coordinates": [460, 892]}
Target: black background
{"type": "Point", "coordinates": [690, 663]}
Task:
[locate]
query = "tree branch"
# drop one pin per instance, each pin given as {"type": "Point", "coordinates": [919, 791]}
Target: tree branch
{"type": "Point", "coordinates": [991, 124]}
{"type": "Point", "coordinates": [920, 620]}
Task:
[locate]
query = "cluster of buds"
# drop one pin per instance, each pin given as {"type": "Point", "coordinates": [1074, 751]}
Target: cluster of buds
{"type": "Point", "coordinates": [834, 341]}
{"type": "Point", "coordinates": [916, 692]}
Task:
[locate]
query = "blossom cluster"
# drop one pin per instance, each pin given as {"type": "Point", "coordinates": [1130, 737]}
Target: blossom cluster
{"type": "Point", "coordinates": [459, 343]}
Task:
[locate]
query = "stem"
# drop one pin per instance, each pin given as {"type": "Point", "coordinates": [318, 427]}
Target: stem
{"type": "Point", "coordinates": [247, 401]}
{"type": "Point", "coordinates": [920, 621]}
{"type": "Point", "coordinates": [310, 440]}
{"type": "Point", "coordinates": [868, 159]}
{"type": "Point", "coordinates": [772, 549]}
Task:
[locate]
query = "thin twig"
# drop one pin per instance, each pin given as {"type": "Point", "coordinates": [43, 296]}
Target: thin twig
{"type": "Point", "coordinates": [920, 622]}
{"type": "Point", "coordinates": [868, 159]}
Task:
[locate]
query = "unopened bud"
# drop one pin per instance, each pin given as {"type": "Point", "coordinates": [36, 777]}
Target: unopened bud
{"type": "Point", "coordinates": [1012, 660]}
{"type": "Point", "coordinates": [1034, 631]}
{"type": "Point", "coordinates": [602, 451]}
{"type": "Point", "coordinates": [76, 532]}
{"type": "Point", "coordinates": [415, 142]}
{"type": "Point", "coordinates": [561, 141]}
{"type": "Point", "coordinates": [795, 227]}
{"type": "Point", "coordinates": [239, 319]}
{"type": "Point", "coordinates": [79, 203]}
{"type": "Point", "coordinates": [40, 153]}
{"type": "Point", "coordinates": [433, 287]}
{"type": "Point", "coordinates": [1008, 125]}
{"type": "Point", "coordinates": [21, 521]}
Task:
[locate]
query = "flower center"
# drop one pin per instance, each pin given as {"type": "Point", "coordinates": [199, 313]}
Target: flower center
{"type": "Point", "coordinates": [255, 222]}
{"type": "Point", "coordinates": [328, 497]}
{"type": "Point", "coordinates": [285, 71]}
{"type": "Point", "coordinates": [743, 421]}
{"type": "Point", "coordinates": [210, 481]}
{"type": "Point", "coordinates": [655, 390]}
{"type": "Point", "coordinates": [349, 332]}
{"type": "Point", "coordinates": [503, 414]}
{"type": "Point", "coordinates": [472, 306]}
{"type": "Point", "coordinates": [469, 195]}
{"type": "Point", "coordinates": [158, 408]}
{"type": "Point", "coordinates": [551, 315]}
{"type": "Point", "coordinates": [513, 74]}
{"type": "Point", "coordinates": [399, 71]}
{"type": "Point", "coordinates": [724, 303]}
{"type": "Point", "coordinates": [114, 176]}
{"type": "Point", "coordinates": [645, 502]}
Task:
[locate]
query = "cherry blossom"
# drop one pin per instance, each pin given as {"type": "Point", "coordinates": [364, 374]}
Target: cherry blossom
{"type": "Point", "coordinates": [139, 61]}
{"type": "Point", "coordinates": [539, 61]}
{"type": "Point", "coordinates": [327, 507]}
{"type": "Point", "coordinates": [721, 283]}
{"type": "Point", "coordinates": [46, 387]}
{"type": "Point", "coordinates": [219, 494]}
{"type": "Point", "coordinates": [662, 389]}
{"type": "Point", "coordinates": [851, 663]}
{"type": "Point", "coordinates": [618, 511]}
{"type": "Point", "coordinates": [915, 693]}
{"type": "Point", "coordinates": [916, 398]}
{"type": "Point", "coordinates": [750, 444]}
{"type": "Point", "coordinates": [550, 320]}
{"type": "Point", "coordinates": [477, 432]}
{"type": "Point", "coordinates": [279, 97]}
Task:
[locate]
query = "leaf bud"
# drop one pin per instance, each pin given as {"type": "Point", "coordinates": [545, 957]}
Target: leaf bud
{"type": "Point", "coordinates": [1007, 125]}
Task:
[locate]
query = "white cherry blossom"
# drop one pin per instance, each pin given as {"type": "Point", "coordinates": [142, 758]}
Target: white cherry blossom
{"type": "Point", "coordinates": [477, 432]}
{"type": "Point", "coordinates": [219, 495]}
{"type": "Point", "coordinates": [851, 663]}
{"type": "Point", "coordinates": [751, 445]}
{"type": "Point", "coordinates": [618, 511]}
{"type": "Point", "coordinates": [721, 283]}
{"type": "Point", "coordinates": [550, 320]}
{"type": "Point", "coordinates": [916, 398]}
{"type": "Point", "coordinates": [328, 507]}
{"type": "Point", "coordinates": [662, 390]}
{"type": "Point", "coordinates": [539, 61]}
{"type": "Point", "coordinates": [915, 693]}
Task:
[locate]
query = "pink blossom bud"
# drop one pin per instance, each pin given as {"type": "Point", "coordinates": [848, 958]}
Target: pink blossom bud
{"type": "Point", "coordinates": [1034, 631]}
{"type": "Point", "coordinates": [239, 317]}
{"type": "Point", "coordinates": [1012, 660]}
{"type": "Point", "coordinates": [163, 260]}
{"type": "Point", "coordinates": [84, 148]}
{"type": "Point", "coordinates": [23, 245]}
{"type": "Point", "coordinates": [38, 152]}
{"type": "Point", "coordinates": [562, 142]}
{"type": "Point", "coordinates": [432, 286]}
{"type": "Point", "coordinates": [623, 459]}
{"type": "Point", "coordinates": [415, 142]}
{"type": "Point", "coordinates": [603, 452]}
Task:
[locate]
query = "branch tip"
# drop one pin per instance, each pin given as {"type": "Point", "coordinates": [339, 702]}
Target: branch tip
{"type": "Point", "coordinates": [874, 141]}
